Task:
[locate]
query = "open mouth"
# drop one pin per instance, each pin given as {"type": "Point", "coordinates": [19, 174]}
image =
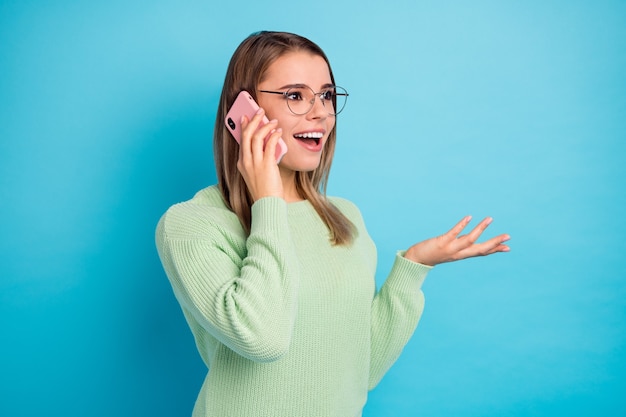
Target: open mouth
{"type": "Point", "coordinates": [310, 138]}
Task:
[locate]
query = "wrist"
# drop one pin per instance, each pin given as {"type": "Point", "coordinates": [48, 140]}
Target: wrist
{"type": "Point", "coordinates": [412, 255]}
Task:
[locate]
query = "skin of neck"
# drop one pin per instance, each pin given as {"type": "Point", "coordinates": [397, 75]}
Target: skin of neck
{"type": "Point", "coordinates": [290, 193]}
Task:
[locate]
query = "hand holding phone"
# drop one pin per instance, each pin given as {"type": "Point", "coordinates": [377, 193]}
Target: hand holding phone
{"type": "Point", "coordinates": [245, 105]}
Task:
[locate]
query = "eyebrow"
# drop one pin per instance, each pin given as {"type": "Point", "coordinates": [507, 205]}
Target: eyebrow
{"type": "Point", "coordinates": [288, 86]}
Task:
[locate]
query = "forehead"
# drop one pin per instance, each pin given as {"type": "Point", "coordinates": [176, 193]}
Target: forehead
{"type": "Point", "coordinates": [298, 68]}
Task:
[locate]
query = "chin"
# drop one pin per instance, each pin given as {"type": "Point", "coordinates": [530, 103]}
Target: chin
{"type": "Point", "coordinates": [301, 166]}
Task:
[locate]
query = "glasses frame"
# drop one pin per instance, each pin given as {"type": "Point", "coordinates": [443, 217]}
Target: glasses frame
{"type": "Point", "coordinates": [312, 102]}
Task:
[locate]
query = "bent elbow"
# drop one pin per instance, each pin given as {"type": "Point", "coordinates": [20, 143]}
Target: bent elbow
{"type": "Point", "coordinates": [274, 352]}
{"type": "Point", "coordinates": [269, 347]}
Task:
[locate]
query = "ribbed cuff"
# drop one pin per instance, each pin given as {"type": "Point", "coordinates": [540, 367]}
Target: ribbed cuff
{"type": "Point", "coordinates": [268, 213]}
{"type": "Point", "coordinates": [408, 274]}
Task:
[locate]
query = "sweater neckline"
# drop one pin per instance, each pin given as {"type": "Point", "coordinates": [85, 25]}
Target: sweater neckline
{"type": "Point", "coordinates": [299, 206]}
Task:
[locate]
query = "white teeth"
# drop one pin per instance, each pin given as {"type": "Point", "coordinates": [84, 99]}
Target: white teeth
{"type": "Point", "coordinates": [310, 135]}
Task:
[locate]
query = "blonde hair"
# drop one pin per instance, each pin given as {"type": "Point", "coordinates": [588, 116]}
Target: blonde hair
{"type": "Point", "coordinates": [246, 70]}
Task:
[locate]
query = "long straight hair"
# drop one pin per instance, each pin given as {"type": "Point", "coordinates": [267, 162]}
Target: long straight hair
{"type": "Point", "coordinates": [246, 70]}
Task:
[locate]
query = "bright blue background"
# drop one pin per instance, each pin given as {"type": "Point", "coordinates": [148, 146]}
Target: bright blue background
{"type": "Point", "coordinates": [511, 109]}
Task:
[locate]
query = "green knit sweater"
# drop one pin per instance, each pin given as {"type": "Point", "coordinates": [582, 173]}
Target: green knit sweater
{"type": "Point", "coordinates": [287, 324]}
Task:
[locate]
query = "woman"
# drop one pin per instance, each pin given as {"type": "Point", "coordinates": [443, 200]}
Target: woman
{"type": "Point", "coordinates": [275, 279]}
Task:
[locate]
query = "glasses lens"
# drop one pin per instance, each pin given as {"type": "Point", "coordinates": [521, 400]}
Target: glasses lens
{"type": "Point", "coordinates": [339, 99]}
{"type": "Point", "coordinates": [302, 99]}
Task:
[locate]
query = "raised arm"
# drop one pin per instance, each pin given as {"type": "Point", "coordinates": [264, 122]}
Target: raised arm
{"type": "Point", "coordinates": [451, 246]}
{"type": "Point", "coordinates": [242, 292]}
{"type": "Point", "coordinates": [398, 306]}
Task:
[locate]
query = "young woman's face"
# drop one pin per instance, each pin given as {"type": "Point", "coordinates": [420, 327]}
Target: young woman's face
{"type": "Point", "coordinates": [305, 135]}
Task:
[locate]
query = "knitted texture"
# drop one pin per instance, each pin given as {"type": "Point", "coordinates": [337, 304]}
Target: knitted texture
{"type": "Point", "coordinates": [287, 324]}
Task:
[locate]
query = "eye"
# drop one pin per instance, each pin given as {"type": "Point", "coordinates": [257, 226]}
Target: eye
{"type": "Point", "coordinates": [293, 95]}
{"type": "Point", "coordinates": [327, 95]}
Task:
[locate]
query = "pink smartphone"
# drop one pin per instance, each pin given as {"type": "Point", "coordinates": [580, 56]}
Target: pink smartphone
{"type": "Point", "coordinates": [245, 105]}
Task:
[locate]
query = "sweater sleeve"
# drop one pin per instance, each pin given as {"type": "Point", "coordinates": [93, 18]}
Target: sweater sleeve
{"type": "Point", "coordinates": [243, 296]}
{"type": "Point", "coordinates": [396, 310]}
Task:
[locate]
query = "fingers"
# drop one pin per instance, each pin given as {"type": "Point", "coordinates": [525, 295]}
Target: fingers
{"type": "Point", "coordinates": [271, 144]}
{"type": "Point", "coordinates": [466, 240]}
{"type": "Point", "coordinates": [479, 229]}
{"type": "Point", "coordinates": [458, 228]}
{"type": "Point", "coordinates": [451, 247]}
{"type": "Point", "coordinates": [465, 246]}
{"type": "Point", "coordinates": [491, 246]}
{"type": "Point", "coordinates": [257, 161]}
{"type": "Point", "coordinates": [495, 244]}
{"type": "Point", "coordinates": [254, 133]}
{"type": "Point", "coordinates": [472, 236]}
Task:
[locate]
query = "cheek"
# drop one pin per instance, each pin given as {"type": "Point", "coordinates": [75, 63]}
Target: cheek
{"type": "Point", "coordinates": [330, 123]}
{"type": "Point", "coordinates": [286, 124]}
{"type": "Point", "coordinates": [271, 110]}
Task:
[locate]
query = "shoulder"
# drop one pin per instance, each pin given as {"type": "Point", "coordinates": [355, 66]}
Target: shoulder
{"type": "Point", "coordinates": [199, 217]}
{"type": "Point", "coordinates": [348, 208]}
{"type": "Point", "coordinates": [343, 204]}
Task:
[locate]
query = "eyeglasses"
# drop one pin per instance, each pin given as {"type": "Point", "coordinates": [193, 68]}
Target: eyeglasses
{"type": "Point", "coordinates": [301, 98]}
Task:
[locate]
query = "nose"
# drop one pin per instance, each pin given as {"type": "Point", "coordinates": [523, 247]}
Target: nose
{"type": "Point", "coordinates": [318, 111]}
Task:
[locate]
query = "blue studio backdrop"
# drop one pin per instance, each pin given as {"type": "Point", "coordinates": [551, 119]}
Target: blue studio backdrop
{"type": "Point", "coordinates": [510, 109]}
